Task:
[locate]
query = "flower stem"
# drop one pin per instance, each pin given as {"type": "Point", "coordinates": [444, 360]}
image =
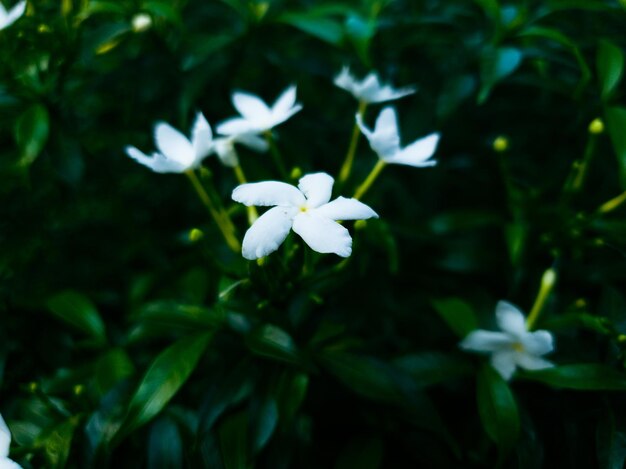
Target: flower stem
{"type": "Point", "coordinates": [612, 204]}
{"type": "Point", "coordinates": [221, 217]}
{"type": "Point", "coordinates": [278, 159]}
{"type": "Point", "coordinates": [369, 180]}
{"type": "Point", "coordinates": [241, 178]}
{"type": "Point", "coordinates": [547, 284]}
{"type": "Point", "coordinates": [346, 168]}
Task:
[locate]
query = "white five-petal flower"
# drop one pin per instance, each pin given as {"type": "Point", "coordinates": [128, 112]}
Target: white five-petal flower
{"type": "Point", "coordinates": [5, 444]}
{"type": "Point", "coordinates": [177, 153]}
{"type": "Point", "coordinates": [256, 116]}
{"type": "Point", "coordinates": [514, 346]}
{"type": "Point", "coordinates": [385, 141]}
{"type": "Point", "coordinates": [8, 17]}
{"type": "Point", "coordinates": [306, 209]}
{"type": "Point", "coordinates": [370, 89]}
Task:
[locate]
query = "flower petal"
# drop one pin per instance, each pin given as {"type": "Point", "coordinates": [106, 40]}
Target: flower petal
{"type": "Point", "coordinates": [317, 188]}
{"type": "Point", "coordinates": [268, 193]}
{"type": "Point", "coordinates": [387, 93]}
{"type": "Point", "coordinates": [504, 363]}
{"type": "Point", "coordinates": [322, 234]}
{"type": "Point", "coordinates": [268, 232]}
{"type": "Point", "coordinates": [157, 162]}
{"type": "Point", "coordinates": [285, 101]}
{"type": "Point", "coordinates": [251, 107]}
{"type": "Point", "coordinates": [385, 139]}
{"type": "Point", "coordinates": [531, 362]}
{"type": "Point", "coordinates": [5, 438]}
{"type": "Point", "coordinates": [368, 87]}
{"type": "Point", "coordinates": [13, 14]}
{"type": "Point", "coordinates": [252, 141]}
{"type": "Point", "coordinates": [201, 137]}
{"type": "Point", "coordinates": [538, 342]}
{"type": "Point", "coordinates": [226, 152]}
{"type": "Point", "coordinates": [486, 341]}
{"type": "Point", "coordinates": [346, 209]}
{"type": "Point", "coordinates": [235, 126]}
{"type": "Point", "coordinates": [345, 80]}
{"type": "Point", "coordinates": [417, 153]}
{"type": "Point", "coordinates": [174, 145]}
{"type": "Point", "coordinates": [510, 319]}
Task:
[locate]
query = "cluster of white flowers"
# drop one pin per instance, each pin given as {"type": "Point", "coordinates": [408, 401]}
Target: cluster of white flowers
{"type": "Point", "coordinates": [5, 444]}
{"type": "Point", "coordinates": [8, 17]}
{"type": "Point", "coordinates": [308, 209]}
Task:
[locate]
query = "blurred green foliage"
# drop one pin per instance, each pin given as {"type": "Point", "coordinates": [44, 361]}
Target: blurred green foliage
{"type": "Point", "coordinates": [127, 341]}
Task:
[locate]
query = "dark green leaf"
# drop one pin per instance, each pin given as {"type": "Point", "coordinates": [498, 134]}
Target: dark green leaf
{"type": "Point", "coordinates": [459, 316]}
{"type": "Point", "coordinates": [165, 446]}
{"type": "Point", "coordinates": [429, 368]}
{"type": "Point", "coordinates": [610, 64]}
{"type": "Point", "coordinates": [583, 376]}
{"type": "Point", "coordinates": [31, 133]}
{"type": "Point", "coordinates": [361, 453]}
{"type": "Point", "coordinates": [497, 409]}
{"type": "Point", "coordinates": [233, 435]}
{"type": "Point", "coordinates": [167, 373]}
{"type": "Point", "coordinates": [273, 342]}
{"type": "Point", "coordinates": [326, 29]}
{"type": "Point", "coordinates": [76, 310]}
{"type": "Point", "coordinates": [497, 64]}
{"type": "Point", "coordinates": [616, 123]}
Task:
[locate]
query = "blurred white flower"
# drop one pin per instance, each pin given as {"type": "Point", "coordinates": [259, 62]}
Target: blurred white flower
{"type": "Point", "coordinates": [7, 18]}
{"type": "Point", "coordinates": [256, 116]}
{"type": "Point", "coordinates": [305, 209]}
{"type": "Point", "coordinates": [5, 444]}
{"type": "Point", "coordinates": [141, 22]}
{"type": "Point", "coordinates": [224, 147]}
{"type": "Point", "coordinates": [385, 141]}
{"type": "Point", "coordinates": [514, 346]}
{"type": "Point", "coordinates": [370, 89]}
{"type": "Point", "coordinates": [177, 153]}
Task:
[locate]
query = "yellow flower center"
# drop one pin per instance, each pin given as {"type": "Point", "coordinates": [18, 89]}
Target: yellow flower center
{"type": "Point", "coordinates": [518, 347]}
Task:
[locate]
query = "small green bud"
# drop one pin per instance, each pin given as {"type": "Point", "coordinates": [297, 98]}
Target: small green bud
{"type": "Point", "coordinates": [260, 261]}
{"type": "Point", "coordinates": [78, 389]}
{"type": "Point", "coordinates": [296, 173]}
{"type": "Point", "coordinates": [621, 338]}
{"type": "Point", "coordinates": [501, 144]}
{"type": "Point", "coordinates": [581, 303]}
{"type": "Point", "coordinates": [548, 279]}
{"type": "Point", "coordinates": [32, 386]}
{"type": "Point", "coordinates": [195, 235]}
{"type": "Point", "coordinates": [596, 127]}
{"type": "Point", "coordinates": [360, 224]}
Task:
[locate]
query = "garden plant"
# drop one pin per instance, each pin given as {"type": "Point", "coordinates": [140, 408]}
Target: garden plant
{"type": "Point", "coordinates": [372, 234]}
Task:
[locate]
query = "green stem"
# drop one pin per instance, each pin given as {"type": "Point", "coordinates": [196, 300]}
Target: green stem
{"type": "Point", "coordinates": [241, 178]}
{"type": "Point", "coordinates": [278, 159]}
{"type": "Point", "coordinates": [369, 180]}
{"type": "Point", "coordinates": [346, 168]}
{"type": "Point", "coordinates": [221, 217]}
{"type": "Point", "coordinates": [612, 204]}
{"type": "Point", "coordinates": [581, 166]}
{"type": "Point", "coordinates": [547, 284]}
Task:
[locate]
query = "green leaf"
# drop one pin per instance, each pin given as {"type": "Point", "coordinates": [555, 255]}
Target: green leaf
{"type": "Point", "coordinates": [429, 368]}
{"type": "Point", "coordinates": [610, 64]}
{"type": "Point", "coordinates": [364, 375]}
{"type": "Point", "coordinates": [233, 436]}
{"type": "Point", "coordinates": [581, 376]}
{"type": "Point", "coordinates": [31, 133]}
{"type": "Point", "coordinates": [111, 368]}
{"type": "Point", "coordinates": [264, 422]}
{"type": "Point", "coordinates": [497, 64]}
{"type": "Point", "coordinates": [457, 314]}
{"type": "Point", "coordinates": [611, 442]}
{"type": "Point", "coordinates": [326, 29]}
{"type": "Point", "coordinates": [497, 409]}
{"type": "Point", "coordinates": [273, 342]}
{"type": "Point", "coordinates": [616, 124]}
{"type": "Point", "coordinates": [166, 375]}
{"type": "Point", "coordinates": [76, 310]}
{"type": "Point", "coordinates": [165, 446]}
{"type": "Point", "coordinates": [360, 32]}
{"type": "Point", "coordinates": [57, 443]}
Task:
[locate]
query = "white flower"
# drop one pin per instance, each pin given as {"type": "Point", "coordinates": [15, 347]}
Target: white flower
{"type": "Point", "coordinates": [7, 18]}
{"type": "Point", "coordinates": [514, 346]}
{"type": "Point", "coordinates": [306, 209]}
{"type": "Point", "coordinates": [258, 117]}
{"type": "Point", "coordinates": [385, 141]}
{"type": "Point", "coordinates": [5, 444]}
{"type": "Point", "coordinates": [370, 89]}
{"type": "Point", "coordinates": [177, 153]}
{"type": "Point", "coordinates": [224, 147]}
